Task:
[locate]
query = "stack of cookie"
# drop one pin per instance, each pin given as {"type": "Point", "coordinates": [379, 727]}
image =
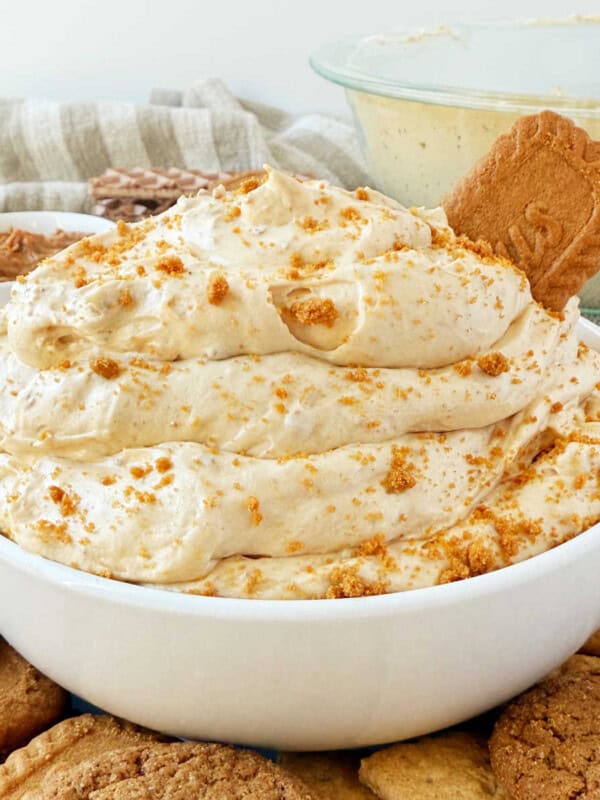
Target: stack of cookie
{"type": "Point", "coordinates": [99, 757]}
{"type": "Point", "coordinates": [29, 702]}
{"type": "Point", "coordinates": [545, 745]}
{"type": "Point", "coordinates": [139, 192]}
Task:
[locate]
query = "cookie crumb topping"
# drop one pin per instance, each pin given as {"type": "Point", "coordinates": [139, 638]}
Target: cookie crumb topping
{"type": "Point", "coordinates": [106, 367]}
{"type": "Point", "coordinates": [218, 287]}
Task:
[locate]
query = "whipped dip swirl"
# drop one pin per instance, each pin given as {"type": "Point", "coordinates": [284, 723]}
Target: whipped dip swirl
{"type": "Point", "coordinates": [291, 390]}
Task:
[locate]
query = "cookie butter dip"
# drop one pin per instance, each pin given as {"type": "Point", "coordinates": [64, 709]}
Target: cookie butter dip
{"type": "Point", "coordinates": [292, 391]}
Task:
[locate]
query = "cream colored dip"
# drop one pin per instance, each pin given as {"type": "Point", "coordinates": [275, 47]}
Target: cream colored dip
{"type": "Point", "coordinates": [291, 391]}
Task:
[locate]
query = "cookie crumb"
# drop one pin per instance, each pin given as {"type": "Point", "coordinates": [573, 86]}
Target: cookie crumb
{"type": "Point", "coordinates": [172, 265]}
{"type": "Point", "coordinates": [105, 367]}
{"type": "Point", "coordinates": [253, 506]}
{"type": "Point", "coordinates": [217, 289]}
{"type": "Point", "coordinates": [314, 311]}
{"type": "Point", "coordinates": [493, 364]}
{"type": "Point", "coordinates": [400, 476]}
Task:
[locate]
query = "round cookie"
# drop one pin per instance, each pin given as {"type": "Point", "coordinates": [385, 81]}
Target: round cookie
{"type": "Point", "coordinates": [63, 747]}
{"type": "Point", "coordinates": [577, 663]}
{"type": "Point", "coordinates": [592, 646]}
{"type": "Point", "coordinates": [29, 702]}
{"type": "Point", "coordinates": [546, 744]}
{"type": "Point", "coordinates": [179, 771]}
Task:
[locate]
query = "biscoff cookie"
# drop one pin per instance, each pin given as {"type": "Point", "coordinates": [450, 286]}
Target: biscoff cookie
{"type": "Point", "coordinates": [452, 765]}
{"type": "Point", "coordinates": [331, 776]}
{"type": "Point", "coordinates": [182, 770]}
{"type": "Point", "coordinates": [535, 197]}
{"type": "Point", "coordinates": [580, 662]}
{"type": "Point", "coordinates": [592, 645]}
{"type": "Point", "coordinates": [64, 746]}
{"type": "Point", "coordinates": [29, 702]}
{"type": "Point", "coordinates": [546, 744]}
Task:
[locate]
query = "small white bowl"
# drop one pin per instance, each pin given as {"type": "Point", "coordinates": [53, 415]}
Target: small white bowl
{"type": "Point", "coordinates": [46, 223]}
{"type": "Point", "coordinates": [311, 674]}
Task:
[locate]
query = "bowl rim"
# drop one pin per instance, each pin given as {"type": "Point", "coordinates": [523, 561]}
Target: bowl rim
{"type": "Point", "coordinates": [72, 217]}
{"type": "Point", "coordinates": [330, 62]}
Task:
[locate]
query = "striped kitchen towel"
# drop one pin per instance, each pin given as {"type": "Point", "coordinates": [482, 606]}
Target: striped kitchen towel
{"type": "Point", "coordinates": [48, 150]}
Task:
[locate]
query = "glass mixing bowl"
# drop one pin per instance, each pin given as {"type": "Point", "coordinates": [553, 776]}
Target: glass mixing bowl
{"type": "Point", "coordinates": [429, 104]}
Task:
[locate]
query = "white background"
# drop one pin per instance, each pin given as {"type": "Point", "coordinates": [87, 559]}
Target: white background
{"type": "Point", "coordinates": [120, 49]}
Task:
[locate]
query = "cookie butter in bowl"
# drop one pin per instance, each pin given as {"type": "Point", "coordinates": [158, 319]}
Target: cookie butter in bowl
{"type": "Point", "coordinates": [289, 391]}
{"type": "Point", "coordinates": [27, 237]}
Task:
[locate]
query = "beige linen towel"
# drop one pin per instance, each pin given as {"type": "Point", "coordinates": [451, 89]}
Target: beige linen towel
{"type": "Point", "coordinates": [48, 150]}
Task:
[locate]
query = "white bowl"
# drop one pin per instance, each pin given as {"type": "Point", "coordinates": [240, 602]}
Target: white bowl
{"type": "Point", "coordinates": [312, 674]}
{"type": "Point", "coordinates": [46, 222]}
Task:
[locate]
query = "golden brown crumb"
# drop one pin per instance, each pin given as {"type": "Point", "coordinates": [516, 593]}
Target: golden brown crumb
{"type": "Point", "coordinates": [249, 185]}
{"type": "Point", "coordinates": [105, 367]}
{"type": "Point", "coordinates": [253, 507]}
{"type": "Point", "coordinates": [140, 472]}
{"type": "Point", "coordinates": [314, 311]}
{"type": "Point", "coordinates": [298, 264]}
{"type": "Point", "coordinates": [311, 225]}
{"type": "Point", "coordinates": [208, 590]}
{"type": "Point", "coordinates": [80, 278]}
{"type": "Point", "coordinates": [232, 213]}
{"type": "Point", "coordinates": [464, 368]}
{"type": "Point", "coordinates": [457, 571]}
{"type": "Point", "coordinates": [322, 264]}
{"type": "Point", "coordinates": [166, 480]}
{"type": "Point", "coordinates": [108, 480]}
{"type": "Point", "coordinates": [346, 582]}
{"type": "Point", "coordinates": [143, 497]}
{"type": "Point", "coordinates": [361, 193]}
{"type": "Point", "coordinates": [217, 289]}
{"type": "Point", "coordinates": [163, 464]}
{"type": "Point", "coordinates": [480, 558]}
{"type": "Point", "coordinates": [171, 265]}
{"type": "Point", "coordinates": [377, 546]}
{"type": "Point", "coordinates": [400, 476]}
{"type": "Point", "coordinates": [49, 531]}
{"type": "Point", "coordinates": [65, 501]}
{"type": "Point", "coordinates": [358, 375]}
{"type": "Point", "coordinates": [253, 580]}
{"type": "Point", "coordinates": [125, 298]}
{"type": "Point", "coordinates": [493, 364]}
{"type": "Point", "coordinates": [350, 214]}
